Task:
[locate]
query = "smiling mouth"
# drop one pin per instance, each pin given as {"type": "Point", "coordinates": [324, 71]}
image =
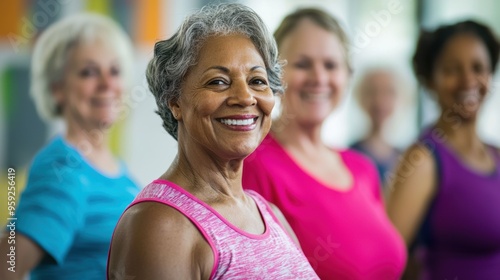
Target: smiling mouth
{"type": "Point", "coordinates": [315, 97]}
{"type": "Point", "coordinates": [103, 102]}
{"type": "Point", "coordinates": [238, 122]}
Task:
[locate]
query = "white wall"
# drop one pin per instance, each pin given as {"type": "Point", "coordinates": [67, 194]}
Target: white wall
{"type": "Point", "coordinates": [149, 149]}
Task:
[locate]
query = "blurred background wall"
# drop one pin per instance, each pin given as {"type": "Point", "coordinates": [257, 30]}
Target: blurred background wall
{"type": "Point", "coordinates": [382, 33]}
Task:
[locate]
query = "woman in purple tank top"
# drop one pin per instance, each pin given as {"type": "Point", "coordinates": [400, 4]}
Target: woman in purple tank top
{"type": "Point", "coordinates": [446, 192]}
{"type": "Point", "coordinates": [214, 82]}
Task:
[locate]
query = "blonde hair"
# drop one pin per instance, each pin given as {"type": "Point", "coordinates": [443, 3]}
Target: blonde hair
{"type": "Point", "coordinates": [320, 18]}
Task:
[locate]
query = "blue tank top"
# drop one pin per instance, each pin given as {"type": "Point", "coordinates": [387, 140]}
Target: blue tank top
{"type": "Point", "coordinates": [462, 228]}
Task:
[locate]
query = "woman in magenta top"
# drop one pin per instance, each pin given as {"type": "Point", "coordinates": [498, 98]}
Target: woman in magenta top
{"type": "Point", "coordinates": [446, 196]}
{"type": "Point", "coordinates": [331, 198]}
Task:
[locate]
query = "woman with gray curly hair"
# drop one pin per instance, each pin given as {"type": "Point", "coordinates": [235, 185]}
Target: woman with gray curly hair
{"type": "Point", "coordinates": [214, 81]}
{"type": "Point", "coordinates": [76, 188]}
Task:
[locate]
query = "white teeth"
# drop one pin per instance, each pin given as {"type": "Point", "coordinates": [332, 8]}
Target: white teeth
{"type": "Point", "coordinates": [237, 122]}
{"type": "Point", "coordinates": [470, 96]}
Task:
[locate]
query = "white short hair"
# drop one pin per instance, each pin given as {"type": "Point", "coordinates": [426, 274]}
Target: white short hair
{"type": "Point", "coordinates": [51, 50]}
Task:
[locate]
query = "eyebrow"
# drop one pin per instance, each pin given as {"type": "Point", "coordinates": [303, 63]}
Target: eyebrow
{"type": "Point", "coordinates": [257, 67]}
{"type": "Point", "coordinates": [226, 70]}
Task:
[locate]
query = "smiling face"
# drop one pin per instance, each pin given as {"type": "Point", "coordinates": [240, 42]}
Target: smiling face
{"type": "Point", "coordinates": [90, 93]}
{"type": "Point", "coordinates": [316, 72]}
{"type": "Point", "coordinates": [226, 101]}
{"type": "Point", "coordinates": [461, 76]}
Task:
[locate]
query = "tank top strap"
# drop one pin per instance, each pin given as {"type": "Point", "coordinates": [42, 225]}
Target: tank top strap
{"type": "Point", "coordinates": [202, 214]}
{"type": "Point", "coordinates": [264, 208]}
{"type": "Point", "coordinates": [195, 210]}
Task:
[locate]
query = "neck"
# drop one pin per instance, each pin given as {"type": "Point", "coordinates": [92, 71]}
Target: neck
{"type": "Point", "coordinates": [293, 135]}
{"type": "Point", "coordinates": [87, 140]}
{"type": "Point", "coordinates": [460, 133]}
{"type": "Point", "coordinates": [93, 145]}
{"type": "Point", "coordinates": [204, 174]}
{"type": "Point", "coordinates": [377, 145]}
{"type": "Point", "coordinates": [375, 133]}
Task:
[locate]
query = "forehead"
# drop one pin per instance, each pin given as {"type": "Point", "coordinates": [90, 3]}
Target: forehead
{"type": "Point", "coordinates": [379, 77]}
{"type": "Point", "coordinates": [228, 50]}
{"type": "Point", "coordinates": [464, 46]}
{"type": "Point", "coordinates": [309, 37]}
{"type": "Point", "coordinates": [96, 50]}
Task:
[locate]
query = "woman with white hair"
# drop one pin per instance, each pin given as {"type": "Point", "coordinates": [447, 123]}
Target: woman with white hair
{"type": "Point", "coordinates": [76, 188]}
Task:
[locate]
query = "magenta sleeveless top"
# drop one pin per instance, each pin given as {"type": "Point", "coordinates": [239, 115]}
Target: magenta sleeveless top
{"type": "Point", "coordinates": [344, 234]}
{"type": "Point", "coordinates": [237, 254]}
{"type": "Point", "coordinates": [461, 233]}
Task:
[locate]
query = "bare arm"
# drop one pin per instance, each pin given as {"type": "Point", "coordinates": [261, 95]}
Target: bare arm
{"type": "Point", "coordinates": [411, 191]}
{"type": "Point", "coordinates": [27, 255]}
{"type": "Point", "coordinates": [154, 241]}
{"type": "Point", "coordinates": [279, 215]}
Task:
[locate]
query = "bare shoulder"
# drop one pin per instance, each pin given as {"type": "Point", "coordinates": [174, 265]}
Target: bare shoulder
{"type": "Point", "coordinates": [417, 160]}
{"type": "Point", "coordinates": [155, 241]}
{"type": "Point", "coordinates": [411, 190]}
{"type": "Point", "coordinates": [420, 149]}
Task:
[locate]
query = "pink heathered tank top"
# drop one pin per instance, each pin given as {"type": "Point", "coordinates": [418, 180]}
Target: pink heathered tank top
{"type": "Point", "coordinates": [237, 254]}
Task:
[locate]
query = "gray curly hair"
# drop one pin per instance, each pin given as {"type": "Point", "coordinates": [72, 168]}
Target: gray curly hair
{"type": "Point", "coordinates": [173, 57]}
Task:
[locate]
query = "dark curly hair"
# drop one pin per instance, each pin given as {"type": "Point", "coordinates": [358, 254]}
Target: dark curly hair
{"type": "Point", "coordinates": [431, 43]}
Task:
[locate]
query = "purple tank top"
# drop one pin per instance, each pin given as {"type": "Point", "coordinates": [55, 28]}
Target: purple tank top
{"type": "Point", "coordinates": [462, 228]}
{"type": "Point", "coordinates": [237, 254]}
